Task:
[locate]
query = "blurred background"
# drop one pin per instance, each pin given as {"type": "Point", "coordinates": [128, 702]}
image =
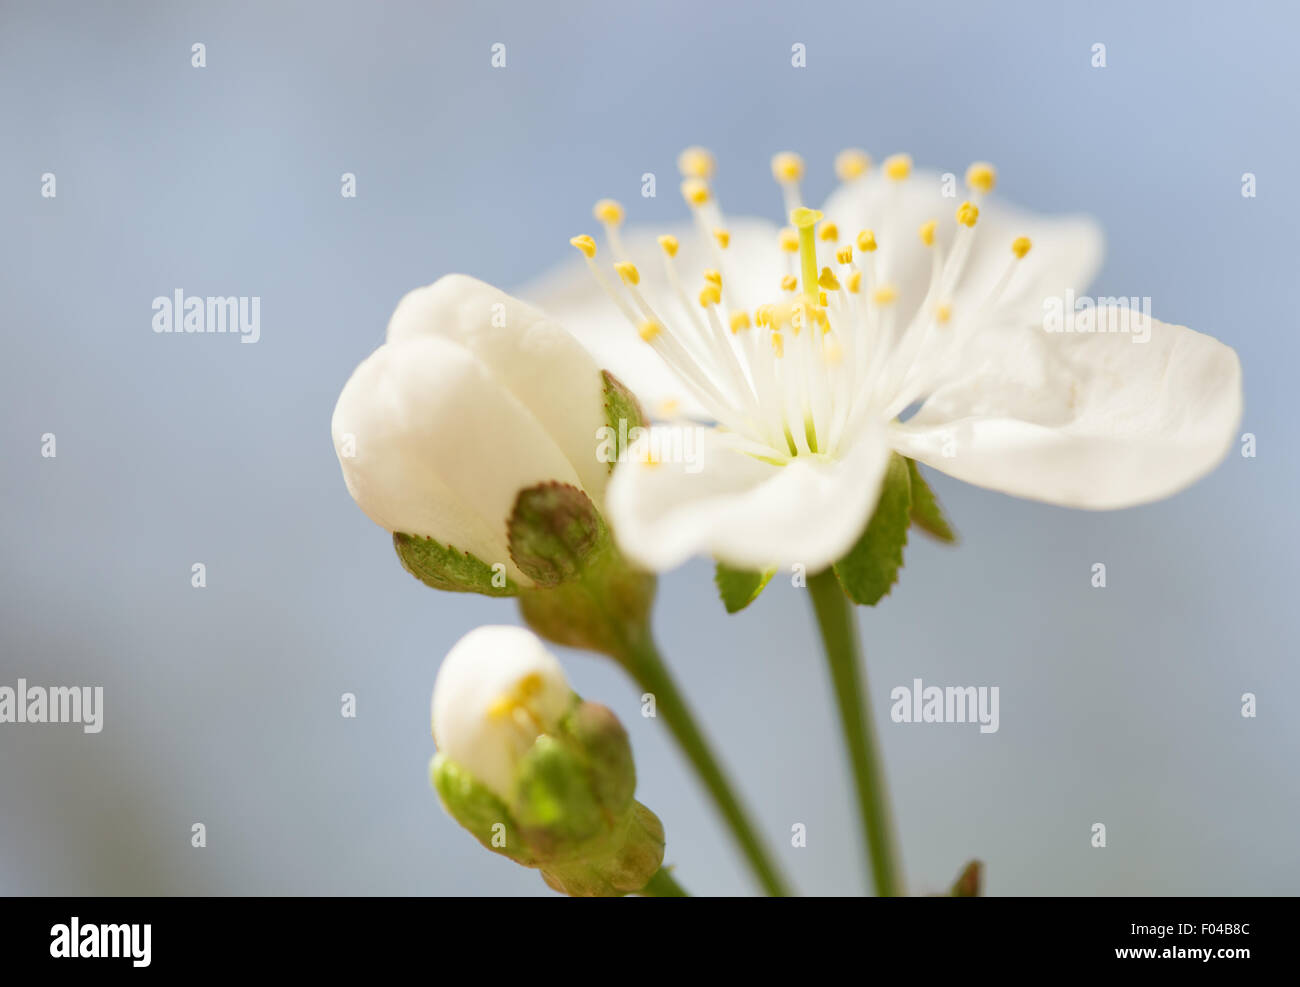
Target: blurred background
{"type": "Point", "coordinates": [1120, 706]}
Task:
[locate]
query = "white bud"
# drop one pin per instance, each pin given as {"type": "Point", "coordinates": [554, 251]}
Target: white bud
{"type": "Point", "coordinates": [473, 397]}
{"type": "Point", "coordinates": [497, 691]}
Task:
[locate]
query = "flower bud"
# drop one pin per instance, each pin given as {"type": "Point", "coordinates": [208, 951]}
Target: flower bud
{"type": "Point", "coordinates": [535, 773]}
{"type": "Point", "coordinates": [474, 397]}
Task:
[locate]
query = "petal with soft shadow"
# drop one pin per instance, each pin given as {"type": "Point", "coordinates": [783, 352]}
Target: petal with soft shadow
{"type": "Point", "coordinates": [750, 513]}
{"type": "Point", "coordinates": [1087, 419]}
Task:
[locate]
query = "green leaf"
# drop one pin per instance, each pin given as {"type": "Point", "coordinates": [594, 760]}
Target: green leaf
{"type": "Point", "coordinates": [447, 568]}
{"type": "Point", "coordinates": [870, 568]}
{"type": "Point", "coordinates": [739, 587]}
{"type": "Point", "coordinates": [622, 412]}
{"type": "Point", "coordinates": [926, 512]}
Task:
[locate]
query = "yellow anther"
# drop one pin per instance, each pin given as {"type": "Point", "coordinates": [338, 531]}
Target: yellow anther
{"type": "Point", "coordinates": [819, 314]}
{"type": "Point", "coordinates": [898, 166]}
{"type": "Point", "coordinates": [763, 315]}
{"type": "Point", "coordinates": [866, 241]}
{"type": "Point", "coordinates": [710, 294]}
{"type": "Point", "coordinates": [789, 283]}
{"type": "Point", "coordinates": [669, 244]}
{"type": "Point", "coordinates": [981, 177]}
{"type": "Point", "coordinates": [517, 698]}
{"type": "Point", "coordinates": [608, 211]}
{"type": "Point", "coordinates": [789, 240]}
{"type": "Point", "coordinates": [943, 313]}
{"type": "Point", "coordinates": [885, 294]}
{"type": "Point", "coordinates": [695, 191]}
{"type": "Point", "coordinates": [852, 163]}
{"type": "Point", "coordinates": [778, 344]}
{"type": "Point", "coordinates": [831, 348]}
{"type": "Point", "coordinates": [649, 459]}
{"type": "Point", "coordinates": [1020, 246]}
{"type": "Point", "coordinates": [739, 321]}
{"type": "Point", "coordinates": [628, 272]}
{"type": "Point", "coordinates": [829, 231]}
{"type": "Point", "coordinates": [844, 255]}
{"type": "Point", "coordinates": [787, 167]}
{"type": "Point", "coordinates": [829, 281]}
{"type": "Point", "coordinates": [713, 277]}
{"type": "Point", "coordinates": [650, 331]}
{"type": "Point", "coordinates": [723, 237]}
{"type": "Point", "coordinates": [669, 407]}
{"type": "Point", "coordinates": [927, 232]}
{"type": "Point", "coordinates": [968, 213]}
{"type": "Point", "coordinates": [584, 243]}
{"type": "Point", "coordinates": [855, 282]}
{"type": "Point", "coordinates": [696, 162]}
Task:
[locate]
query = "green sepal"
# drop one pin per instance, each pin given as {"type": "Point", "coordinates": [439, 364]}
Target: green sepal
{"type": "Point", "coordinates": [556, 807]}
{"type": "Point", "coordinates": [926, 512]}
{"type": "Point", "coordinates": [635, 854]}
{"type": "Point", "coordinates": [623, 411]}
{"type": "Point", "coordinates": [447, 568]}
{"type": "Point", "coordinates": [870, 568]}
{"type": "Point", "coordinates": [479, 810]}
{"type": "Point", "coordinates": [739, 587]}
{"type": "Point", "coordinates": [596, 731]}
{"type": "Point", "coordinates": [553, 529]}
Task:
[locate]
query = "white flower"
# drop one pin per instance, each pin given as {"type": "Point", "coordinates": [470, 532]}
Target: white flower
{"type": "Point", "coordinates": [807, 362]}
{"type": "Point", "coordinates": [498, 690]}
{"type": "Point", "coordinates": [474, 397]}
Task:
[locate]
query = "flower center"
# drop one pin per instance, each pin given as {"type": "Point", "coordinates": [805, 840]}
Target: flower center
{"type": "Point", "coordinates": [797, 375]}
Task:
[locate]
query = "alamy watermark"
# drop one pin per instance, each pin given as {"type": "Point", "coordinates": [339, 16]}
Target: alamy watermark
{"type": "Point", "coordinates": [215, 313]}
{"type": "Point", "coordinates": [947, 704]}
{"type": "Point", "coordinates": [662, 444]}
{"type": "Point", "coordinates": [1083, 314]}
{"type": "Point", "coordinates": [55, 704]}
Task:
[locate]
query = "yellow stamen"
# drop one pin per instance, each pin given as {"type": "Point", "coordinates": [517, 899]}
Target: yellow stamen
{"type": "Point", "coordinates": [584, 243]}
{"type": "Point", "coordinates": [981, 177]}
{"type": "Point", "coordinates": [650, 331]}
{"type": "Point", "coordinates": [943, 313]}
{"type": "Point", "coordinates": [763, 315]}
{"type": "Point", "coordinates": [669, 407]}
{"type": "Point", "coordinates": [851, 163]}
{"type": "Point", "coordinates": [789, 240]}
{"type": "Point", "coordinates": [739, 321]}
{"type": "Point", "coordinates": [778, 344]}
{"type": "Point", "coordinates": [855, 282]}
{"type": "Point", "coordinates": [1020, 246]}
{"type": "Point", "coordinates": [968, 213]}
{"type": "Point", "coordinates": [669, 244]}
{"type": "Point", "coordinates": [608, 211]}
{"type": "Point", "coordinates": [805, 220]}
{"type": "Point", "coordinates": [723, 237]}
{"type": "Point", "coordinates": [696, 162]}
{"type": "Point", "coordinates": [898, 166]}
{"type": "Point", "coordinates": [927, 232]}
{"type": "Point", "coordinates": [789, 283]}
{"type": "Point", "coordinates": [695, 191]}
{"type": "Point", "coordinates": [787, 167]}
{"type": "Point", "coordinates": [628, 272]}
{"type": "Point", "coordinates": [866, 241]}
{"type": "Point", "coordinates": [830, 231]}
{"type": "Point", "coordinates": [829, 281]}
{"type": "Point", "coordinates": [844, 255]}
{"type": "Point", "coordinates": [710, 294]}
{"type": "Point", "coordinates": [713, 277]}
{"type": "Point", "coordinates": [517, 698]}
{"type": "Point", "coordinates": [885, 294]}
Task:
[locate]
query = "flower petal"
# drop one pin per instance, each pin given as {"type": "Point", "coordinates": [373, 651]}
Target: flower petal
{"type": "Point", "coordinates": [542, 366]}
{"type": "Point", "coordinates": [1088, 419]}
{"type": "Point", "coordinates": [749, 513]}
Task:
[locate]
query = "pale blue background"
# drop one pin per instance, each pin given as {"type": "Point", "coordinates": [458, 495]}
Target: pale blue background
{"type": "Point", "coordinates": [1119, 706]}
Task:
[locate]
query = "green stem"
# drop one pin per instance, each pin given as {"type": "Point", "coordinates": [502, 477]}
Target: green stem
{"type": "Point", "coordinates": [641, 659]}
{"type": "Point", "coordinates": [840, 638]}
{"type": "Point", "coordinates": [662, 885]}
